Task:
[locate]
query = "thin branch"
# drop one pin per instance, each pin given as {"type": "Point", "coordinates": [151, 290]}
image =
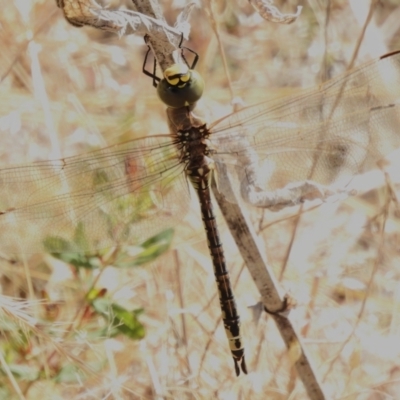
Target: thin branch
{"type": "Point", "coordinates": [148, 20]}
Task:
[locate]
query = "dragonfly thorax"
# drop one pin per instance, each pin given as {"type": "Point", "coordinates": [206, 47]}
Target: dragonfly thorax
{"type": "Point", "coordinates": [181, 86]}
{"type": "Point", "coordinates": [194, 143]}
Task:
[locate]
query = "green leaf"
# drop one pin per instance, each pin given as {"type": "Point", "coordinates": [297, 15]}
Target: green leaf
{"type": "Point", "coordinates": [151, 249]}
{"type": "Point", "coordinates": [163, 237]}
{"type": "Point", "coordinates": [80, 238]}
{"type": "Point", "coordinates": [127, 322]}
{"type": "Point", "coordinates": [56, 244]}
{"type": "Point", "coordinates": [154, 247]}
{"type": "Point", "coordinates": [78, 260]}
{"type": "Point", "coordinates": [120, 319]}
{"type": "Point", "coordinates": [72, 252]}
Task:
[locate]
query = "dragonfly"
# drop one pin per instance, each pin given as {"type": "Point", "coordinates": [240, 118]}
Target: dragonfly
{"type": "Point", "coordinates": [280, 153]}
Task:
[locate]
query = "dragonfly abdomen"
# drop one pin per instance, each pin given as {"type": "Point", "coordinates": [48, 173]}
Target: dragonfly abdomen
{"type": "Point", "coordinates": [199, 169]}
{"type": "Point", "coordinates": [230, 315]}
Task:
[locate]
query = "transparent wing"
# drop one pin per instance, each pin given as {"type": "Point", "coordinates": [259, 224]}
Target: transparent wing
{"type": "Point", "coordinates": [125, 192]}
{"type": "Point", "coordinates": [117, 194]}
{"type": "Point", "coordinates": [327, 135]}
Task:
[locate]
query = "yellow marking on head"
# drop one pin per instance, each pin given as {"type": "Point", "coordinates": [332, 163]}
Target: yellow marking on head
{"type": "Point", "coordinates": [177, 73]}
{"type": "Point", "coordinates": [172, 82]}
{"type": "Point", "coordinates": [185, 78]}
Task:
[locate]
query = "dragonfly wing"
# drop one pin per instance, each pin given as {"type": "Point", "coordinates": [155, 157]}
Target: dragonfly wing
{"type": "Point", "coordinates": [88, 202]}
{"type": "Point", "coordinates": [326, 135]}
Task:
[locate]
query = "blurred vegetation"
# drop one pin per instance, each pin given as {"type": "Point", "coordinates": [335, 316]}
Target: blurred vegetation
{"type": "Point", "coordinates": [67, 320]}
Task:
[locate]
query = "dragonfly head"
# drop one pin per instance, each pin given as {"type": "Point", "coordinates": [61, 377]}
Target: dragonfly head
{"type": "Point", "coordinates": [180, 87]}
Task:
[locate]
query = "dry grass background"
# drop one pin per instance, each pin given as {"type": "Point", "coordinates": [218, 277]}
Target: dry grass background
{"type": "Point", "coordinates": [343, 271]}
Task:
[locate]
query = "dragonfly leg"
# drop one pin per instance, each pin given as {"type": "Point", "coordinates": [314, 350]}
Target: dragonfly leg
{"type": "Point", "coordinates": [152, 75]}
